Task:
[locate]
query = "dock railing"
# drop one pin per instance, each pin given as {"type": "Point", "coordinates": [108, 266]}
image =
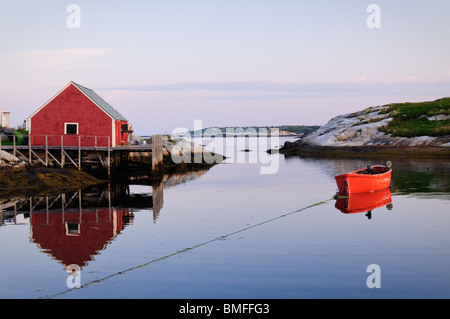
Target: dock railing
{"type": "Point", "coordinates": [18, 144]}
{"type": "Point", "coordinates": [56, 148]}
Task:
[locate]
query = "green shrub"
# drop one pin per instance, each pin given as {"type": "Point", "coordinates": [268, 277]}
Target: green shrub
{"type": "Point", "coordinates": [411, 119]}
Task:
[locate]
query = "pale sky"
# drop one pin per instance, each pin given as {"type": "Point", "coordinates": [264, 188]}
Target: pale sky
{"type": "Point", "coordinates": [165, 63]}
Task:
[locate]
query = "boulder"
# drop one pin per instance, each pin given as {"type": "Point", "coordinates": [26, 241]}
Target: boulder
{"type": "Point", "coordinates": [5, 156]}
{"type": "Point", "coordinates": [21, 167]}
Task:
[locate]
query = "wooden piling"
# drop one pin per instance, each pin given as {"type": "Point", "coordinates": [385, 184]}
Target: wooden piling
{"type": "Point", "coordinates": [157, 154]}
{"type": "Point", "coordinates": [29, 150]}
{"type": "Point", "coordinates": [46, 150]}
{"type": "Point", "coordinates": [79, 152]}
{"type": "Point", "coordinates": [109, 156]}
{"type": "Point", "coordinates": [62, 152]}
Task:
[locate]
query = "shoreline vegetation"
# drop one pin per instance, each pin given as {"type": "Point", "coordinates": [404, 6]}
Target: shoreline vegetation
{"type": "Point", "coordinates": [395, 130]}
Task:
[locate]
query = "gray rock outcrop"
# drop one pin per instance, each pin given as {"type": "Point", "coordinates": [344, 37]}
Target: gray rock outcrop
{"type": "Point", "coordinates": [178, 148]}
{"type": "Point", "coordinates": [363, 128]}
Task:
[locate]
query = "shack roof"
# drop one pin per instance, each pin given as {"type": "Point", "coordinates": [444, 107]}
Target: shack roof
{"type": "Point", "coordinates": [94, 97]}
{"type": "Point", "coordinates": [100, 102]}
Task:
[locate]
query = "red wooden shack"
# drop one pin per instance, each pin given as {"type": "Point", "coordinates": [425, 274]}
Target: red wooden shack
{"type": "Point", "coordinates": [77, 116]}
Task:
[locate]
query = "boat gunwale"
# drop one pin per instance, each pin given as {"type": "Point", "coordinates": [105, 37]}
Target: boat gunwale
{"type": "Point", "coordinates": [356, 174]}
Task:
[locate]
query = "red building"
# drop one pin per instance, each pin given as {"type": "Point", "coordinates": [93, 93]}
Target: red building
{"type": "Point", "coordinates": [77, 116]}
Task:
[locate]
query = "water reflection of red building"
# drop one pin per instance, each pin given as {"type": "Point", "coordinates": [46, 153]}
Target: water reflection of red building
{"type": "Point", "coordinates": [76, 236]}
{"type": "Point", "coordinates": [75, 226]}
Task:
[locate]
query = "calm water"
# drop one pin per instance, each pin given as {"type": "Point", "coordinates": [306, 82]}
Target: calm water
{"type": "Point", "coordinates": [232, 232]}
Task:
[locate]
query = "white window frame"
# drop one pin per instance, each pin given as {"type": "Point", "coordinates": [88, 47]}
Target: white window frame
{"type": "Point", "coordinates": [65, 128]}
{"type": "Point", "coordinates": [72, 231]}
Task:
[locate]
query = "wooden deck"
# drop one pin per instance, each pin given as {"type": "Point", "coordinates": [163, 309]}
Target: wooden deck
{"type": "Point", "coordinates": [83, 155]}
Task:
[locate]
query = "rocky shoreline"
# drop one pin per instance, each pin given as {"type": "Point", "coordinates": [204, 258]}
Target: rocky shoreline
{"type": "Point", "coordinates": [363, 134]}
{"type": "Point", "coordinates": [40, 180]}
{"type": "Point", "coordinates": [294, 149]}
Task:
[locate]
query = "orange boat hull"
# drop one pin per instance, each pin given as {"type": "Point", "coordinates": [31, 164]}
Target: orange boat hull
{"type": "Point", "coordinates": [363, 183]}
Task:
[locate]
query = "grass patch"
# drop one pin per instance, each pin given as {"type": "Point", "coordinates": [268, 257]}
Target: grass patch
{"type": "Point", "coordinates": [411, 119]}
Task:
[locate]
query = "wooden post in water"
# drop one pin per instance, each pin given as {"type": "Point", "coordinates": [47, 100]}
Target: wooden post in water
{"type": "Point", "coordinates": [157, 153]}
{"type": "Point", "coordinates": [109, 156]}
{"type": "Point", "coordinates": [157, 200]}
{"type": "Point", "coordinates": [62, 151]}
{"type": "Point", "coordinates": [79, 152]}
{"type": "Point", "coordinates": [46, 150]}
{"type": "Point", "coordinates": [29, 150]}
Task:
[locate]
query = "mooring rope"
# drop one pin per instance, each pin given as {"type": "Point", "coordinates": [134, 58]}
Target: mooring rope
{"type": "Point", "coordinates": [189, 248]}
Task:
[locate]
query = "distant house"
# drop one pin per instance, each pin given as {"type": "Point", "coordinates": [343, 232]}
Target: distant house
{"type": "Point", "coordinates": [76, 116]}
{"type": "Point", "coordinates": [5, 118]}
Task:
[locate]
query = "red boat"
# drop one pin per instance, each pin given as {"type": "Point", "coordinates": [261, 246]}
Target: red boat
{"type": "Point", "coordinates": [370, 179]}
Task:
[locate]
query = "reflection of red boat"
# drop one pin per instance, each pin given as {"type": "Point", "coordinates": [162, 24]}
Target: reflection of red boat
{"type": "Point", "coordinates": [370, 179]}
{"type": "Point", "coordinates": [363, 202]}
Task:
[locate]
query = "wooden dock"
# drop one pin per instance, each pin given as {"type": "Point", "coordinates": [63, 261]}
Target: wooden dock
{"type": "Point", "coordinates": [81, 154]}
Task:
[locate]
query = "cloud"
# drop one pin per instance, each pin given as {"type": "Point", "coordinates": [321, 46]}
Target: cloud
{"type": "Point", "coordinates": [361, 79]}
{"type": "Point", "coordinates": [283, 90]}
